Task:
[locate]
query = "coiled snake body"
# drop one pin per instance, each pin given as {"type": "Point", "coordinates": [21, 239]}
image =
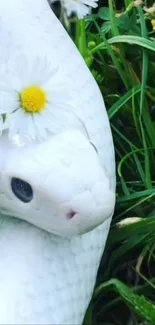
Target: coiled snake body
{"type": "Point", "coordinates": [50, 247]}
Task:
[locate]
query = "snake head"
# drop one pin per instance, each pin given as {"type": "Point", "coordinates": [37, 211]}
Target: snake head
{"type": "Point", "coordinates": [58, 185]}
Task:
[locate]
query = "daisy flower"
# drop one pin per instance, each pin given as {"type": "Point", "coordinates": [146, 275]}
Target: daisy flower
{"type": "Point", "coordinates": [30, 105]}
{"type": "Point", "coordinates": [79, 7]}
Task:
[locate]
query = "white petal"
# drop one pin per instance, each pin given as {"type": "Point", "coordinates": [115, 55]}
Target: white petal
{"type": "Point", "coordinates": [18, 121]}
{"type": "Point", "coordinates": [21, 68]}
{"type": "Point", "coordinates": [24, 133]}
{"type": "Point", "coordinates": [40, 126]}
{"type": "Point", "coordinates": [18, 140]}
{"type": "Point", "coordinates": [58, 95]}
{"type": "Point", "coordinates": [82, 10]}
{"type": "Point", "coordinates": [18, 125]}
{"type": "Point", "coordinates": [77, 7]}
{"type": "Point", "coordinates": [31, 130]}
{"type": "Point", "coordinates": [90, 3]}
{"type": "Point", "coordinates": [40, 71]}
{"type": "Point", "coordinates": [42, 119]}
{"type": "Point", "coordinates": [24, 127]}
{"type": "Point", "coordinates": [69, 6]}
{"type": "Point", "coordinates": [9, 101]}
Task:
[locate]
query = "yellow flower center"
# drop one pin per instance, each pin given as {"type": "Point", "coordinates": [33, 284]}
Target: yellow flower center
{"type": "Point", "coordinates": [33, 99]}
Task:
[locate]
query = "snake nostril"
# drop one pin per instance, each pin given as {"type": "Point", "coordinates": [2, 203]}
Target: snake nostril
{"type": "Point", "coordinates": [71, 214]}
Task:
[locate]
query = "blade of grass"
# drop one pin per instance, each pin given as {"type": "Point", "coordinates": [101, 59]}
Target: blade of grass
{"type": "Point", "coordinates": [142, 99]}
{"type": "Point", "coordinates": [132, 207]}
{"type": "Point", "coordinates": [141, 227]}
{"type": "Point", "coordinates": [128, 39]}
{"type": "Point", "coordinates": [122, 101]}
{"type": "Point", "coordinates": [124, 187]}
{"type": "Point", "coordinates": [113, 22]}
{"type": "Point", "coordinates": [81, 37]}
{"type": "Point", "coordinates": [136, 195]}
{"type": "Point", "coordinates": [114, 58]}
{"type": "Point", "coordinates": [133, 40]}
{"type": "Point", "coordinates": [139, 304]}
{"type": "Point", "coordinates": [126, 157]}
{"type": "Point", "coordinates": [139, 168]}
{"type": "Point", "coordinates": [125, 139]}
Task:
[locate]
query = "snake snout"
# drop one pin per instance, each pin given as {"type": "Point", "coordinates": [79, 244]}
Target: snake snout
{"type": "Point", "coordinates": [90, 208]}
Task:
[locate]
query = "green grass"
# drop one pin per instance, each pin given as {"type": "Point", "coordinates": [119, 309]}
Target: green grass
{"type": "Point", "coordinates": [117, 42]}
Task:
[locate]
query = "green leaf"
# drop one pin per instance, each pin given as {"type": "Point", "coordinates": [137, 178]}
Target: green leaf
{"type": "Point", "coordinates": [134, 40]}
{"type": "Point", "coordinates": [124, 22]}
{"type": "Point", "coordinates": [141, 228]}
{"type": "Point", "coordinates": [104, 13]}
{"type": "Point", "coordinates": [138, 303]}
{"type": "Point", "coordinates": [106, 27]}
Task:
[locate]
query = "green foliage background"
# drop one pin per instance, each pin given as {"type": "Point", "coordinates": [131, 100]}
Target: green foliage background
{"type": "Point", "coordinates": [117, 42]}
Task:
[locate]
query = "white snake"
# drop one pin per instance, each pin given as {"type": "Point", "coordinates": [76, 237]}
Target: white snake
{"type": "Point", "coordinates": [46, 278]}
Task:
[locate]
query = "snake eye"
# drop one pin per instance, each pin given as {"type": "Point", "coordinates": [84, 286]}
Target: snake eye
{"type": "Point", "coordinates": [22, 190]}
